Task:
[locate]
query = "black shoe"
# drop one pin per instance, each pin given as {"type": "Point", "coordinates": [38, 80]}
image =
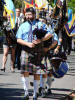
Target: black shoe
{"type": "Point", "coordinates": [48, 92]}
{"type": "Point", "coordinates": [69, 53]}
{"type": "Point", "coordinates": [43, 93]}
{"type": "Point", "coordinates": [40, 90]}
{"type": "Point", "coordinates": [3, 69]}
{"type": "Point", "coordinates": [31, 84]}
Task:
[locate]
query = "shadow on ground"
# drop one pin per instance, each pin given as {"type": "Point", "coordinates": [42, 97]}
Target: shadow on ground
{"type": "Point", "coordinates": [17, 94]}
{"type": "Point", "coordinates": [11, 94]}
{"type": "Point", "coordinates": [60, 96]}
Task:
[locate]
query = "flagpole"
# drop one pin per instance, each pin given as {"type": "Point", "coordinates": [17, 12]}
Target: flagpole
{"type": "Point", "coordinates": [33, 3]}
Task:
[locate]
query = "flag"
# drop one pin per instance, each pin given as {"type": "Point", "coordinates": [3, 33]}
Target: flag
{"type": "Point", "coordinates": [29, 3]}
{"type": "Point", "coordinates": [4, 13]}
{"type": "Point", "coordinates": [70, 25]}
{"type": "Point", "coordinates": [70, 17]}
{"type": "Point", "coordinates": [38, 4]}
{"type": "Point", "coordinates": [10, 9]}
{"type": "Point", "coordinates": [41, 4]}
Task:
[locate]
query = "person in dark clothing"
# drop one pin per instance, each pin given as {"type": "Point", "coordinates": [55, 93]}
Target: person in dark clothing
{"type": "Point", "coordinates": [8, 43]}
{"type": "Point", "coordinates": [66, 43]}
{"type": "Point", "coordinates": [18, 46]}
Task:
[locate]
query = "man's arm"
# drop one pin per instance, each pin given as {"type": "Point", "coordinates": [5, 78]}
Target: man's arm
{"type": "Point", "coordinates": [51, 46]}
{"type": "Point", "coordinates": [46, 37]}
{"type": "Point", "coordinates": [22, 42]}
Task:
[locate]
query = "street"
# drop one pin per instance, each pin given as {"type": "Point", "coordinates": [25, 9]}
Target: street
{"type": "Point", "coordinates": [11, 88]}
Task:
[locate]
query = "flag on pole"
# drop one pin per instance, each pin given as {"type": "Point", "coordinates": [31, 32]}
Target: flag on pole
{"type": "Point", "coordinates": [10, 9]}
{"type": "Point", "coordinates": [41, 4]}
{"type": "Point", "coordinates": [29, 3]}
{"type": "Point", "coordinates": [70, 25]}
{"type": "Point", "coordinates": [70, 17]}
{"type": "Point", "coordinates": [38, 4]}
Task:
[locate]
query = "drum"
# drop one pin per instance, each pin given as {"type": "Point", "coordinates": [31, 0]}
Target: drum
{"type": "Point", "coordinates": [59, 67]}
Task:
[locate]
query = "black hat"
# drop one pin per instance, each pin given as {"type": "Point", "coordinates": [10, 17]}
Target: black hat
{"type": "Point", "coordinates": [31, 9]}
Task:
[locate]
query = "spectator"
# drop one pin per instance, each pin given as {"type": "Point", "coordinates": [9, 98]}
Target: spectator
{"type": "Point", "coordinates": [19, 20]}
{"type": "Point", "coordinates": [8, 43]}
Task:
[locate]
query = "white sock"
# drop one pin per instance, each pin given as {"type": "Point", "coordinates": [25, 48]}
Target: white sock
{"type": "Point", "coordinates": [41, 81]}
{"type": "Point", "coordinates": [36, 86]}
{"type": "Point", "coordinates": [44, 82]}
{"type": "Point", "coordinates": [49, 82]}
{"type": "Point", "coordinates": [25, 84]}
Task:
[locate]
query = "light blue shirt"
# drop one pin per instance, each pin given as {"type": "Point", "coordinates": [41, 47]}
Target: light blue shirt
{"type": "Point", "coordinates": [55, 37]}
{"type": "Point", "coordinates": [25, 28]}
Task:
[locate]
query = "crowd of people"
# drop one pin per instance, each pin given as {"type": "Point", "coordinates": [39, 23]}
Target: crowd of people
{"type": "Point", "coordinates": [36, 42]}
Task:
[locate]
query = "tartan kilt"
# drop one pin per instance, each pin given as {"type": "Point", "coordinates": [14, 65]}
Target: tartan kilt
{"type": "Point", "coordinates": [32, 62]}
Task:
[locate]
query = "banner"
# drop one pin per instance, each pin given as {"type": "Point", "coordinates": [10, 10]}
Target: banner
{"type": "Point", "coordinates": [38, 4]}
{"type": "Point", "coordinates": [70, 25]}
{"type": "Point", "coordinates": [10, 9]}
{"type": "Point", "coordinates": [30, 3]}
{"type": "Point", "coordinates": [41, 4]}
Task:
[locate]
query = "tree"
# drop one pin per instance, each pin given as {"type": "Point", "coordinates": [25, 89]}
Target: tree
{"type": "Point", "coordinates": [51, 2]}
{"type": "Point", "coordinates": [18, 3]}
{"type": "Point", "coordinates": [71, 4]}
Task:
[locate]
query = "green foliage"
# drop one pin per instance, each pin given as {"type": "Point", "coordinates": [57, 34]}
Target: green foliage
{"type": "Point", "coordinates": [71, 4]}
{"type": "Point", "coordinates": [51, 2]}
{"type": "Point", "coordinates": [18, 3]}
{"type": "Point", "coordinates": [1, 33]}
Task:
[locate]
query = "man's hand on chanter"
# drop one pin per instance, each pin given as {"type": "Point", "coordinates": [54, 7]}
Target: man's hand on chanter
{"type": "Point", "coordinates": [36, 41]}
{"type": "Point", "coordinates": [31, 45]}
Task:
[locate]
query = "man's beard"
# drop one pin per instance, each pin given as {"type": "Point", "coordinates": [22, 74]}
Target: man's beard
{"type": "Point", "coordinates": [30, 19]}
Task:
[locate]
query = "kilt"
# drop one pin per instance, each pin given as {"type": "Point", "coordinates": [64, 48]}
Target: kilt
{"type": "Point", "coordinates": [32, 62]}
{"type": "Point", "coordinates": [47, 61]}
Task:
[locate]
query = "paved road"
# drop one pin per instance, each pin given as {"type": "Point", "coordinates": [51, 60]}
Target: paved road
{"type": "Point", "coordinates": [11, 88]}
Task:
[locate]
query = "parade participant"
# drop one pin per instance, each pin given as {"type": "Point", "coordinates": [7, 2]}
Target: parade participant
{"type": "Point", "coordinates": [53, 49]}
{"type": "Point", "coordinates": [26, 38]}
{"type": "Point", "coordinates": [55, 24]}
{"type": "Point", "coordinates": [19, 21]}
{"type": "Point", "coordinates": [8, 43]}
{"type": "Point", "coordinates": [48, 77]}
{"type": "Point", "coordinates": [50, 52]}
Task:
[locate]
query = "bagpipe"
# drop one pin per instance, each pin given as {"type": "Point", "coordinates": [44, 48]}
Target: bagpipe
{"type": "Point", "coordinates": [40, 33]}
{"type": "Point", "coordinates": [37, 53]}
